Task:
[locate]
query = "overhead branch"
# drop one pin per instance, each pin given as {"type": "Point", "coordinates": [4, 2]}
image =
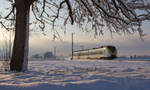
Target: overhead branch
{"type": "Point", "coordinates": [107, 14]}
{"type": "Point", "coordinates": [127, 12]}
{"type": "Point", "coordinates": [41, 21]}
{"type": "Point", "coordinates": [32, 1]}
{"type": "Point", "coordinates": [4, 26]}
{"type": "Point", "coordinates": [57, 14]}
{"type": "Point", "coordinates": [85, 5]}
{"type": "Point", "coordinates": [43, 7]}
{"type": "Point", "coordinates": [12, 10]}
{"type": "Point", "coordinates": [70, 11]}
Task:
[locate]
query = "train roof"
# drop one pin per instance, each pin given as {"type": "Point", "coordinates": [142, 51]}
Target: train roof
{"type": "Point", "coordinates": [95, 48]}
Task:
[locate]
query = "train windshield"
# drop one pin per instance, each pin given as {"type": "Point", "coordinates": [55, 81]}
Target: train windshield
{"type": "Point", "coordinates": [112, 48]}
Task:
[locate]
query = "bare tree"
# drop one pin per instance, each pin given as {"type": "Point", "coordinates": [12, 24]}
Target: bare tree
{"type": "Point", "coordinates": [6, 45]}
{"type": "Point", "coordinates": [6, 48]}
{"type": "Point", "coordinates": [117, 15]}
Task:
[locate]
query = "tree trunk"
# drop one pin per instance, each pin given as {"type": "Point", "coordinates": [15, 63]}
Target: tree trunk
{"type": "Point", "coordinates": [19, 58]}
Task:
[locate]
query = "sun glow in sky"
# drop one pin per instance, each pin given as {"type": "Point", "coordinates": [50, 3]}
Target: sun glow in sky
{"type": "Point", "coordinates": [126, 44]}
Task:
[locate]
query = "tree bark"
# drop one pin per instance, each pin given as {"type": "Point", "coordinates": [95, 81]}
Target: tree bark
{"type": "Point", "coordinates": [19, 58]}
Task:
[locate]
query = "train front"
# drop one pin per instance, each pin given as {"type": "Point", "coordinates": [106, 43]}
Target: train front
{"type": "Point", "coordinates": [112, 51]}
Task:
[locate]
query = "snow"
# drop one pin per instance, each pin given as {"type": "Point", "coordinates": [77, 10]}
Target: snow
{"type": "Point", "coordinates": [79, 75]}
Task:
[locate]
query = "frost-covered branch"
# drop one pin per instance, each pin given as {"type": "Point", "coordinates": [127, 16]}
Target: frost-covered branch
{"type": "Point", "coordinates": [117, 15]}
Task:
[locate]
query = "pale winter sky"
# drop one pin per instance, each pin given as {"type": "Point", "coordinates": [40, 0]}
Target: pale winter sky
{"type": "Point", "coordinates": [126, 44]}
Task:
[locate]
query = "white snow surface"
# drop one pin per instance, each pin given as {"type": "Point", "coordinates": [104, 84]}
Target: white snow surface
{"type": "Point", "coordinates": [79, 75]}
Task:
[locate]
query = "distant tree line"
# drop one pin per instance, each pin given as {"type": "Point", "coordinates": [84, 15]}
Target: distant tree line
{"type": "Point", "coordinates": [140, 57]}
{"type": "Point", "coordinates": [46, 55]}
{"type": "Point", "coordinates": [132, 57]}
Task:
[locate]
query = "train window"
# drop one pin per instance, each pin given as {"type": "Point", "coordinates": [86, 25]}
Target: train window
{"type": "Point", "coordinates": [76, 54]}
{"type": "Point", "coordinates": [93, 53]}
{"type": "Point", "coordinates": [100, 52]}
{"type": "Point", "coordinates": [84, 53]}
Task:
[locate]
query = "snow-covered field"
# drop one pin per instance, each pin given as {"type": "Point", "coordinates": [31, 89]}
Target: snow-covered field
{"type": "Point", "coordinates": [79, 75]}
